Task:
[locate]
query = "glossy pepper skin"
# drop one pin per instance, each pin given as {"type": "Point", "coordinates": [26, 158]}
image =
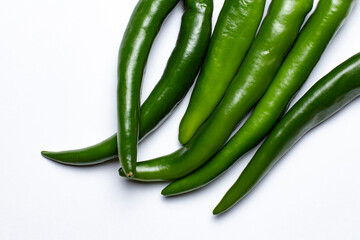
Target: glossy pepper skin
{"type": "Point", "coordinates": [233, 34]}
{"type": "Point", "coordinates": [299, 63]}
{"type": "Point", "coordinates": [276, 35]}
{"type": "Point", "coordinates": [183, 65]}
{"type": "Point", "coordinates": [138, 38]}
{"type": "Point", "coordinates": [325, 98]}
{"type": "Point", "coordinates": [180, 73]}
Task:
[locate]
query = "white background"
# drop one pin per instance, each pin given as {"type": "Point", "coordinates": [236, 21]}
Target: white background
{"type": "Point", "coordinates": [58, 91]}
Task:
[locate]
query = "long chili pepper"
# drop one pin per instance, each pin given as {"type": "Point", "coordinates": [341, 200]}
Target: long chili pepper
{"type": "Point", "coordinates": [138, 38]}
{"type": "Point", "coordinates": [233, 34]}
{"type": "Point", "coordinates": [325, 98]}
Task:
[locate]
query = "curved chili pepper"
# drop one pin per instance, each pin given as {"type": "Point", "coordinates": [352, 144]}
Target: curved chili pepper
{"type": "Point", "coordinates": [233, 34]}
{"type": "Point", "coordinates": [299, 63]}
{"type": "Point", "coordinates": [180, 73]}
{"type": "Point", "coordinates": [325, 98]}
{"type": "Point", "coordinates": [138, 38]}
{"type": "Point", "coordinates": [276, 35]}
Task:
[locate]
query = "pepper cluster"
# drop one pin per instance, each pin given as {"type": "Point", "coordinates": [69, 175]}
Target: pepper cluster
{"type": "Point", "coordinates": [246, 64]}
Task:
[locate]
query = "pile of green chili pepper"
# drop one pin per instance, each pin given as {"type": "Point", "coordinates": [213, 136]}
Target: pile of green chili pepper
{"type": "Point", "coordinates": [244, 65]}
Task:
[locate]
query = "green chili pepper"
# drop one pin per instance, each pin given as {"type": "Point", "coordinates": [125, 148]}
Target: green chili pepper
{"type": "Point", "coordinates": [276, 35]}
{"type": "Point", "coordinates": [325, 98]}
{"type": "Point", "coordinates": [138, 38]}
{"type": "Point", "coordinates": [233, 34]}
{"type": "Point", "coordinates": [304, 55]}
{"type": "Point", "coordinates": [180, 73]}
